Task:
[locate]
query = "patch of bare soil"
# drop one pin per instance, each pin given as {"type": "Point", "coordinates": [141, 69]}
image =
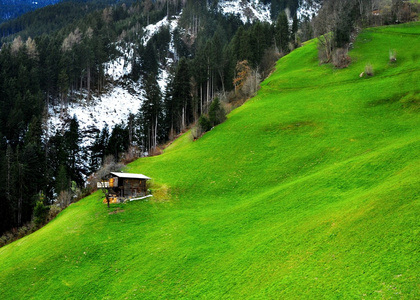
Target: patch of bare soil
{"type": "Point", "coordinates": [116, 211]}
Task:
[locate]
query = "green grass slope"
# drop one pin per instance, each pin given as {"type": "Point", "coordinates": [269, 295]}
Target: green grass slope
{"type": "Point", "coordinates": [310, 190]}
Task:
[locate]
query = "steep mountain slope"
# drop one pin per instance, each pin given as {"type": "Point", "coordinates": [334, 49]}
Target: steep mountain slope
{"type": "Point", "coordinates": [309, 190]}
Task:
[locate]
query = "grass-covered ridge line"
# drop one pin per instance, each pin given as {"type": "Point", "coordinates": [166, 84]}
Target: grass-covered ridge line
{"type": "Point", "coordinates": [309, 190]}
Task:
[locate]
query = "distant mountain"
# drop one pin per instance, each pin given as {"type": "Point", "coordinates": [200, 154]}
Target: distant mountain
{"type": "Point", "coordinates": [10, 9]}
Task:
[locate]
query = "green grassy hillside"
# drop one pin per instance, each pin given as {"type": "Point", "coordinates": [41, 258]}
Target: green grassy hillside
{"type": "Point", "coordinates": [310, 190]}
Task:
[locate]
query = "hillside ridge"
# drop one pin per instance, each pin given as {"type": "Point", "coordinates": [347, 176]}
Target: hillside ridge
{"type": "Point", "coordinates": [300, 193]}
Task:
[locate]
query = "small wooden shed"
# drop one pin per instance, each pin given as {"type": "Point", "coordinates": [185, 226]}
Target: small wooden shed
{"type": "Point", "coordinates": [124, 186]}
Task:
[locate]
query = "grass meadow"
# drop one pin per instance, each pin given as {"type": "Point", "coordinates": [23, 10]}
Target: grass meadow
{"type": "Point", "coordinates": [310, 190]}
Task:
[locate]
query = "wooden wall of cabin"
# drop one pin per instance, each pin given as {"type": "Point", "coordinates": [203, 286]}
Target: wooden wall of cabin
{"type": "Point", "coordinates": [133, 187]}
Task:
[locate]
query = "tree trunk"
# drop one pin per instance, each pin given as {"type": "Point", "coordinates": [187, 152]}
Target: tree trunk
{"type": "Point", "coordinates": [201, 98]}
{"type": "Point", "coordinates": [156, 128]}
{"type": "Point", "coordinates": [212, 84]}
{"type": "Point", "coordinates": [106, 192]}
{"type": "Point", "coordinates": [88, 81]}
{"type": "Point", "coordinates": [222, 81]}
{"type": "Point", "coordinates": [20, 199]}
{"type": "Point", "coordinates": [9, 170]}
{"type": "Point", "coordinates": [130, 131]}
{"type": "Point", "coordinates": [81, 84]}
{"type": "Point", "coordinates": [208, 84]}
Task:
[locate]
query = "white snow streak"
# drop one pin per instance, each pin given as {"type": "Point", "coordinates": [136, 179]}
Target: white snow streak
{"type": "Point", "coordinates": [121, 66]}
{"type": "Point", "coordinates": [248, 11]}
{"type": "Point", "coordinates": [152, 29]}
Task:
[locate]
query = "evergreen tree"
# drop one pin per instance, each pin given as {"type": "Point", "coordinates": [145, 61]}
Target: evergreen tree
{"type": "Point", "coordinates": [282, 33]}
{"type": "Point", "coordinates": [149, 59]}
{"type": "Point", "coordinates": [118, 141]}
{"type": "Point", "coordinates": [150, 115]}
{"type": "Point", "coordinates": [98, 149]}
{"type": "Point", "coordinates": [170, 108]}
{"type": "Point", "coordinates": [295, 27]}
{"type": "Point", "coordinates": [216, 113]}
{"type": "Point", "coordinates": [182, 95]}
{"type": "Point", "coordinates": [63, 180]}
{"type": "Point", "coordinates": [72, 143]}
{"type": "Point", "coordinates": [6, 210]}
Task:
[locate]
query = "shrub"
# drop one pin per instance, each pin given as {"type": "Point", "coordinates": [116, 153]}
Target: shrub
{"type": "Point", "coordinates": [325, 48]}
{"type": "Point", "coordinates": [22, 232]}
{"type": "Point", "coordinates": [268, 61]}
{"type": "Point", "coordinates": [155, 151]}
{"type": "Point", "coordinates": [161, 193]}
{"type": "Point", "coordinates": [340, 58]}
{"type": "Point", "coordinates": [251, 84]}
{"type": "Point", "coordinates": [17, 233]}
{"type": "Point", "coordinates": [9, 236]}
{"type": "Point", "coordinates": [64, 199]}
{"type": "Point", "coordinates": [204, 123]}
{"type": "Point", "coordinates": [131, 155]}
{"type": "Point", "coordinates": [40, 213]}
{"type": "Point", "coordinates": [392, 56]}
{"type": "Point", "coordinates": [195, 132]}
{"type": "Point", "coordinates": [216, 113]}
{"type": "Point", "coordinates": [54, 211]}
{"type": "Point", "coordinates": [369, 70]}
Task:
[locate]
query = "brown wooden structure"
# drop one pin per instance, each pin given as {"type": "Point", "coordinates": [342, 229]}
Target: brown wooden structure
{"type": "Point", "coordinates": [124, 186]}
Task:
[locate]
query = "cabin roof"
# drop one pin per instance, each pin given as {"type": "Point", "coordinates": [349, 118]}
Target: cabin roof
{"type": "Point", "coordinates": [130, 175]}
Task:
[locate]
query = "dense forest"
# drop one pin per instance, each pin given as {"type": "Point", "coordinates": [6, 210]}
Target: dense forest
{"type": "Point", "coordinates": [56, 55]}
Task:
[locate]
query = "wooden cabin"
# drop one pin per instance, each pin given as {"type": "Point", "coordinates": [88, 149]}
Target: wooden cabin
{"type": "Point", "coordinates": [124, 186]}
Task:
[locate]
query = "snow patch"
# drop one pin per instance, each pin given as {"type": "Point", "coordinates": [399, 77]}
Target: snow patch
{"type": "Point", "coordinates": [121, 66]}
{"type": "Point", "coordinates": [152, 29]}
{"type": "Point", "coordinates": [108, 109]}
{"type": "Point", "coordinates": [308, 8]}
{"type": "Point", "coordinates": [248, 11]}
{"type": "Point", "coordinates": [163, 79]}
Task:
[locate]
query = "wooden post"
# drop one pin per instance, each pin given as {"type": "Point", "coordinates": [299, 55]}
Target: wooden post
{"type": "Point", "coordinates": [107, 198]}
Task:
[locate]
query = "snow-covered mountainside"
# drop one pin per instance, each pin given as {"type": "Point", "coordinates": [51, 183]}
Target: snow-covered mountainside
{"type": "Point", "coordinates": [248, 11]}
{"type": "Point", "coordinates": [123, 97]}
